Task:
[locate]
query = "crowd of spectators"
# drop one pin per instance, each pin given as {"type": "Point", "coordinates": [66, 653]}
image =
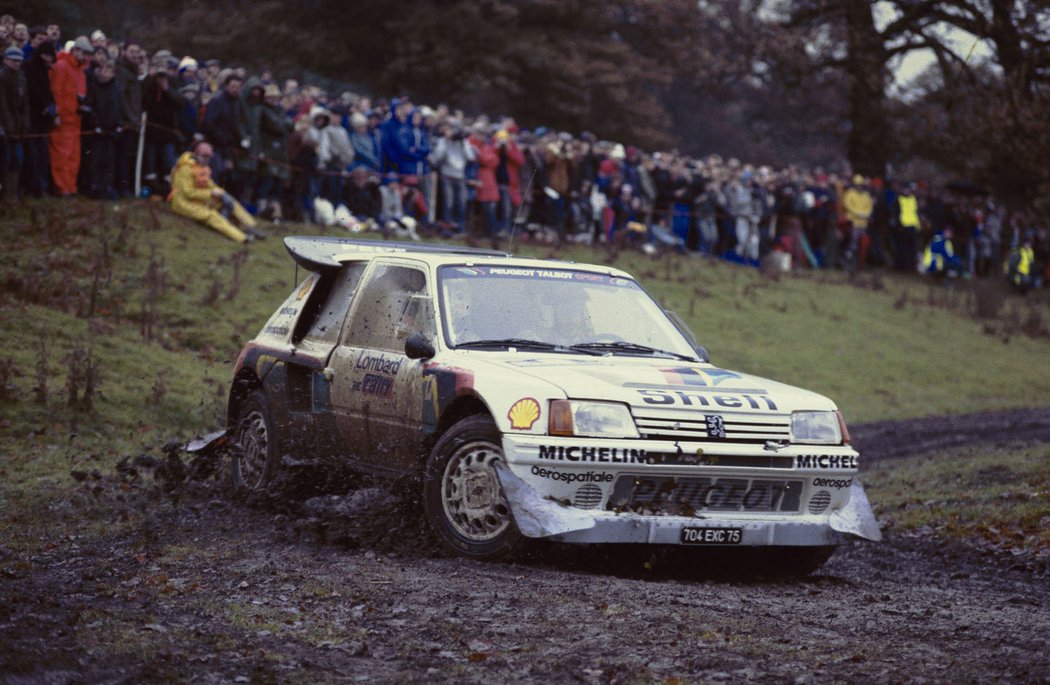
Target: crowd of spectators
{"type": "Point", "coordinates": [252, 148]}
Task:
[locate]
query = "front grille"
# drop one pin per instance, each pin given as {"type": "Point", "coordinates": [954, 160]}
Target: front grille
{"type": "Point", "coordinates": [685, 425]}
{"type": "Point", "coordinates": [690, 495]}
{"type": "Point", "coordinates": [710, 459]}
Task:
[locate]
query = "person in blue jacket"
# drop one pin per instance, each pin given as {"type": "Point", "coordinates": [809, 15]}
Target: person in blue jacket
{"type": "Point", "coordinates": [939, 258]}
{"type": "Point", "coordinates": [404, 147]}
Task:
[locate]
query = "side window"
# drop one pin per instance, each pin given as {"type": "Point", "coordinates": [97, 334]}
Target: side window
{"type": "Point", "coordinates": [393, 304]}
{"type": "Point", "coordinates": [328, 320]}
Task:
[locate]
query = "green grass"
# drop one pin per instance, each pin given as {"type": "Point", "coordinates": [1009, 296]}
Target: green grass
{"type": "Point", "coordinates": [77, 277]}
{"type": "Point", "coordinates": [998, 496]}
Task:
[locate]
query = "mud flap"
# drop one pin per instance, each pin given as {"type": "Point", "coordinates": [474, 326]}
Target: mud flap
{"type": "Point", "coordinates": [535, 516]}
{"type": "Point", "coordinates": [206, 443]}
{"type": "Point", "coordinates": [856, 518]}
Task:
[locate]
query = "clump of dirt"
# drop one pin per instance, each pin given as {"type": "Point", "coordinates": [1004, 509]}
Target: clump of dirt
{"type": "Point", "coordinates": [371, 517]}
{"type": "Point", "coordinates": [309, 503]}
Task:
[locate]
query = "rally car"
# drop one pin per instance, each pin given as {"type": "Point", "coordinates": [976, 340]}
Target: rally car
{"type": "Point", "coordinates": [535, 399]}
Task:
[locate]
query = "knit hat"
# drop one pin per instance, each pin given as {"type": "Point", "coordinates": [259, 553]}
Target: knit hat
{"type": "Point", "coordinates": [188, 63]}
{"type": "Point", "coordinates": [84, 44]}
{"type": "Point", "coordinates": [358, 119]}
{"type": "Point", "coordinates": [608, 167]}
{"type": "Point", "coordinates": [14, 53]}
{"type": "Point", "coordinates": [271, 91]}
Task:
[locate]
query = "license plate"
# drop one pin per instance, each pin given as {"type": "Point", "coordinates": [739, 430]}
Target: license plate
{"type": "Point", "coordinates": [711, 536]}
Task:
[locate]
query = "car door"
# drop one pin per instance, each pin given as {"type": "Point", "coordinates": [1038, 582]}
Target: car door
{"type": "Point", "coordinates": [376, 390]}
{"type": "Point", "coordinates": [316, 334]}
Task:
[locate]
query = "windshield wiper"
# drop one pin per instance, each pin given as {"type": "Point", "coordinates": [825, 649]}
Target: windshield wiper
{"type": "Point", "coordinates": [624, 346]}
{"type": "Point", "coordinates": [524, 343]}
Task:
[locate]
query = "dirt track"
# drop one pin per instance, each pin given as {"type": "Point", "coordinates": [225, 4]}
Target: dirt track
{"type": "Point", "coordinates": [351, 590]}
{"type": "Point", "coordinates": [896, 439]}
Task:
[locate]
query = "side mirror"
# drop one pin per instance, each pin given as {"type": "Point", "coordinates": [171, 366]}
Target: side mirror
{"type": "Point", "coordinates": [418, 347]}
{"type": "Point", "coordinates": [701, 352]}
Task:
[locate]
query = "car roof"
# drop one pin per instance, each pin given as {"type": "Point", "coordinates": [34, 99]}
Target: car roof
{"type": "Point", "coordinates": [317, 253]}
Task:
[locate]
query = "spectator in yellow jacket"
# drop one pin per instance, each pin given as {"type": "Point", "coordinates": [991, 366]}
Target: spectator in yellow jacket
{"type": "Point", "coordinates": [858, 203]}
{"type": "Point", "coordinates": [195, 195]}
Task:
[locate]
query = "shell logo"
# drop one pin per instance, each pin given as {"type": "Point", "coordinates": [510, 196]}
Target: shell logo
{"type": "Point", "coordinates": [524, 413]}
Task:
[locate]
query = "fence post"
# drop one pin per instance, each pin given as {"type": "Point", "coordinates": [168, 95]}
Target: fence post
{"type": "Point", "coordinates": [138, 156]}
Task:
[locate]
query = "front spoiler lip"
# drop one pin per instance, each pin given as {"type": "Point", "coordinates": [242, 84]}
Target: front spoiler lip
{"type": "Point", "coordinates": [539, 517]}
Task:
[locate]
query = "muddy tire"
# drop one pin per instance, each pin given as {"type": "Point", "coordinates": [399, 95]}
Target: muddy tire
{"type": "Point", "coordinates": [254, 463]}
{"type": "Point", "coordinates": [462, 496]}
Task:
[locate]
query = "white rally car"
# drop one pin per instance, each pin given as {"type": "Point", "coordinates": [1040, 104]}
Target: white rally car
{"type": "Point", "coordinates": [539, 399]}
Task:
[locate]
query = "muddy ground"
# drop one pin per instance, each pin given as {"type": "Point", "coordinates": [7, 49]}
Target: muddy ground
{"type": "Point", "coordinates": [331, 588]}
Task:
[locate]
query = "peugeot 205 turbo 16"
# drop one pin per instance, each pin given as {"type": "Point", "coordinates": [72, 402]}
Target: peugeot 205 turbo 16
{"type": "Point", "coordinates": [536, 399]}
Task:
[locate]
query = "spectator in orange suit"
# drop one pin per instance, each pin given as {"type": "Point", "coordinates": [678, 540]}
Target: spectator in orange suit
{"type": "Point", "coordinates": [69, 87]}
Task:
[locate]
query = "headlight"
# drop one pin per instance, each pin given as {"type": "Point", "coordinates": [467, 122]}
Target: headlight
{"type": "Point", "coordinates": [591, 419]}
{"type": "Point", "coordinates": [817, 427]}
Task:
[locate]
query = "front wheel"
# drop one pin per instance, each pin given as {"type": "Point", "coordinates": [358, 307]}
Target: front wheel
{"type": "Point", "coordinates": [464, 501]}
{"type": "Point", "coordinates": [254, 462]}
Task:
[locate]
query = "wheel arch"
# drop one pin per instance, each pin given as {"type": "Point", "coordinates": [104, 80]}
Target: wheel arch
{"type": "Point", "coordinates": [244, 384]}
{"type": "Point", "coordinates": [459, 409]}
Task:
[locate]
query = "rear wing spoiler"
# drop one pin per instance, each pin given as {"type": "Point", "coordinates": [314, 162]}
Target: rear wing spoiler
{"type": "Point", "coordinates": [320, 254]}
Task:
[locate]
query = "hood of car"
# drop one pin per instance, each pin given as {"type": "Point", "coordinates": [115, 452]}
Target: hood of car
{"type": "Point", "coordinates": [651, 382]}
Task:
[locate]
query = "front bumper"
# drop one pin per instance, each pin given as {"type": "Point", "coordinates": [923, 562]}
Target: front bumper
{"type": "Point", "coordinates": [542, 490]}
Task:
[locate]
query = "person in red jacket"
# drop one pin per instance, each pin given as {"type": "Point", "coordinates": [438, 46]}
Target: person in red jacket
{"type": "Point", "coordinates": [488, 189]}
{"type": "Point", "coordinates": [69, 87]}
{"type": "Point", "coordinates": [508, 176]}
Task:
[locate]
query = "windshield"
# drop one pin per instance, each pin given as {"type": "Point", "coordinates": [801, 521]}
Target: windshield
{"type": "Point", "coordinates": [557, 307]}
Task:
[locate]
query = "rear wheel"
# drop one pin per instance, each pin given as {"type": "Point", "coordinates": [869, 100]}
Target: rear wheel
{"type": "Point", "coordinates": [254, 463]}
{"type": "Point", "coordinates": [463, 498]}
